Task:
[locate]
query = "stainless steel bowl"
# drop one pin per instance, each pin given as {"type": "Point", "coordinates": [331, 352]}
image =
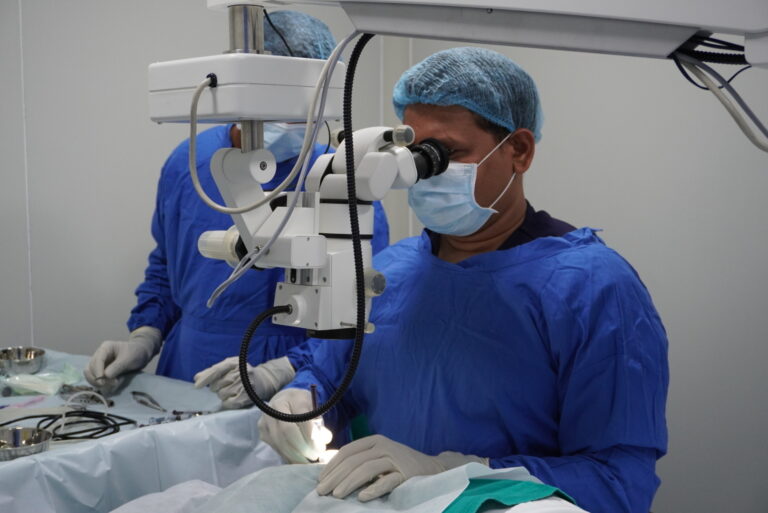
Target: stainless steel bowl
{"type": "Point", "coordinates": [16, 442]}
{"type": "Point", "coordinates": [21, 360]}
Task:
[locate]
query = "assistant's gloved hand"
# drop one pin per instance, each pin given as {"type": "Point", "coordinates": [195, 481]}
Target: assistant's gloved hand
{"type": "Point", "coordinates": [385, 462]}
{"type": "Point", "coordinates": [114, 358]}
{"type": "Point", "coordinates": [266, 379]}
{"type": "Point", "coordinates": [292, 441]}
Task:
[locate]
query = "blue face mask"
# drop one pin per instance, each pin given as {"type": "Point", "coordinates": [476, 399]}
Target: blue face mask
{"type": "Point", "coordinates": [446, 203]}
{"type": "Point", "coordinates": [284, 140]}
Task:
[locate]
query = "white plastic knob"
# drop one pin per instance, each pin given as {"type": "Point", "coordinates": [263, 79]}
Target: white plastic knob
{"type": "Point", "coordinates": [403, 135]}
{"type": "Point", "coordinates": [220, 245]}
{"type": "Point", "coordinates": [375, 283]}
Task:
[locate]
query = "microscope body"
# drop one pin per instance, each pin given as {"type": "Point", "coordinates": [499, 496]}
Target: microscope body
{"type": "Point", "coordinates": [315, 246]}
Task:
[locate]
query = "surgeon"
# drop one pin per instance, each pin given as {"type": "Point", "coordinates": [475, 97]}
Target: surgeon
{"type": "Point", "coordinates": [504, 337]}
{"type": "Point", "coordinates": [171, 316]}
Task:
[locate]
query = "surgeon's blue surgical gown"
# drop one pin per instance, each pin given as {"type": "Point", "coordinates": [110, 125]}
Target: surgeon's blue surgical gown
{"type": "Point", "coordinates": [178, 280]}
{"type": "Point", "coordinates": [548, 355]}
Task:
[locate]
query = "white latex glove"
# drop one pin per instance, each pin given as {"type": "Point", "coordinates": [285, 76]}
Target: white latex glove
{"type": "Point", "coordinates": [291, 440]}
{"type": "Point", "coordinates": [385, 462]}
{"type": "Point", "coordinates": [115, 358]}
{"type": "Point", "coordinates": [266, 379]}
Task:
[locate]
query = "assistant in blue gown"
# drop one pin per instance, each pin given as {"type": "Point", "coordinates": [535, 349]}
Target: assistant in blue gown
{"type": "Point", "coordinates": [547, 354]}
{"type": "Point", "coordinates": [179, 280]}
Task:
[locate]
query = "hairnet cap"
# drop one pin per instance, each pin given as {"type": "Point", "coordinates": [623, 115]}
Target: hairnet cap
{"type": "Point", "coordinates": [306, 35]}
{"type": "Point", "coordinates": [485, 82]}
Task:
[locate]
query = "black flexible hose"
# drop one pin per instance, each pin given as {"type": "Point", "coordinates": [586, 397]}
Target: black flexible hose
{"type": "Point", "coordinates": [243, 362]}
{"type": "Point", "coordinates": [357, 251]}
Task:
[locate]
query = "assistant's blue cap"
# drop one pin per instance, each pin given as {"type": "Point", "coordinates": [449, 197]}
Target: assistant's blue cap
{"type": "Point", "coordinates": [307, 36]}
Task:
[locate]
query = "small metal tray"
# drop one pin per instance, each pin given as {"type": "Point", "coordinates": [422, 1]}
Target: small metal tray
{"type": "Point", "coordinates": [16, 442]}
{"type": "Point", "coordinates": [21, 360]}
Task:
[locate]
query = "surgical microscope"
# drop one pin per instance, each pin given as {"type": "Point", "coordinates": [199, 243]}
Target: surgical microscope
{"type": "Point", "coordinates": [320, 233]}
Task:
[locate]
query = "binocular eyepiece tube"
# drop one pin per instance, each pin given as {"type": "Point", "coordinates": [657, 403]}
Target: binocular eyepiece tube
{"type": "Point", "coordinates": [430, 157]}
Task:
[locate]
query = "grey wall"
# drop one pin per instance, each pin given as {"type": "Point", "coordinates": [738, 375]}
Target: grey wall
{"type": "Point", "coordinates": [628, 146]}
{"type": "Point", "coordinates": [15, 309]}
{"type": "Point", "coordinates": [92, 157]}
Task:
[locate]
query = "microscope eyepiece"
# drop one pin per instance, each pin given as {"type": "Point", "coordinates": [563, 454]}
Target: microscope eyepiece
{"type": "Point", "coordinates": [430, 157]}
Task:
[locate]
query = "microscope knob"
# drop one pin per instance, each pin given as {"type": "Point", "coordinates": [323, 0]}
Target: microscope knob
{"type": "Point", "coordinates": [375, 283]}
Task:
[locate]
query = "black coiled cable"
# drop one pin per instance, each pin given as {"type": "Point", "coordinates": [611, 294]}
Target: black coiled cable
{"type": "Point", "coordinates": [357, 252]}
{"type": "Point", "coordinates": [716, 57]}
{"type": "Point", "coordinates": [97, 424]}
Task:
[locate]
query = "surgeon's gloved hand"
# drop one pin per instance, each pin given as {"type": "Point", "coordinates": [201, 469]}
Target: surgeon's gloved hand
{"type": "Point", "coordinates": [266, 379]}
{"type": "Point", "coordinates": [114, 358]}
{"type": "Point", "coordinates": [383, 465]}
{"type": "Point", "coordinates": [291, 440]}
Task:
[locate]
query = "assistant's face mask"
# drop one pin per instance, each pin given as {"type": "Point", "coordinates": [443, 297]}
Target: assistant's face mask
{"type": "Point", "coordinates": [446, 203]}
{"type": "Point", "coordinates": [284, 140]}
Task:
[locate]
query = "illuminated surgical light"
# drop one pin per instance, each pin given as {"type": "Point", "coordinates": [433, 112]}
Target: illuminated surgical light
{"type": "Point", "coordinates": [321, 437]}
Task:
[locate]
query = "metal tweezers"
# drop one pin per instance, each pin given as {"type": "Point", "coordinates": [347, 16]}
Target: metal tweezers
{"type": "Point", "coordinates": [147, 400]}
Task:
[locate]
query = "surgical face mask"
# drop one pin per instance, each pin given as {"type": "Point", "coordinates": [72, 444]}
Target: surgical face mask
{"type": "Point", "coordinates": [284, 140]}
{"type": "Point", "coordinates": [446, 203]}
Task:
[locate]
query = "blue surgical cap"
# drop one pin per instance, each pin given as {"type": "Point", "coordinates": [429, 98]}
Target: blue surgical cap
{"type": "Point", "coordinates": [480, 80]}
{"type": "Point", "coordinates": [306, 35]}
